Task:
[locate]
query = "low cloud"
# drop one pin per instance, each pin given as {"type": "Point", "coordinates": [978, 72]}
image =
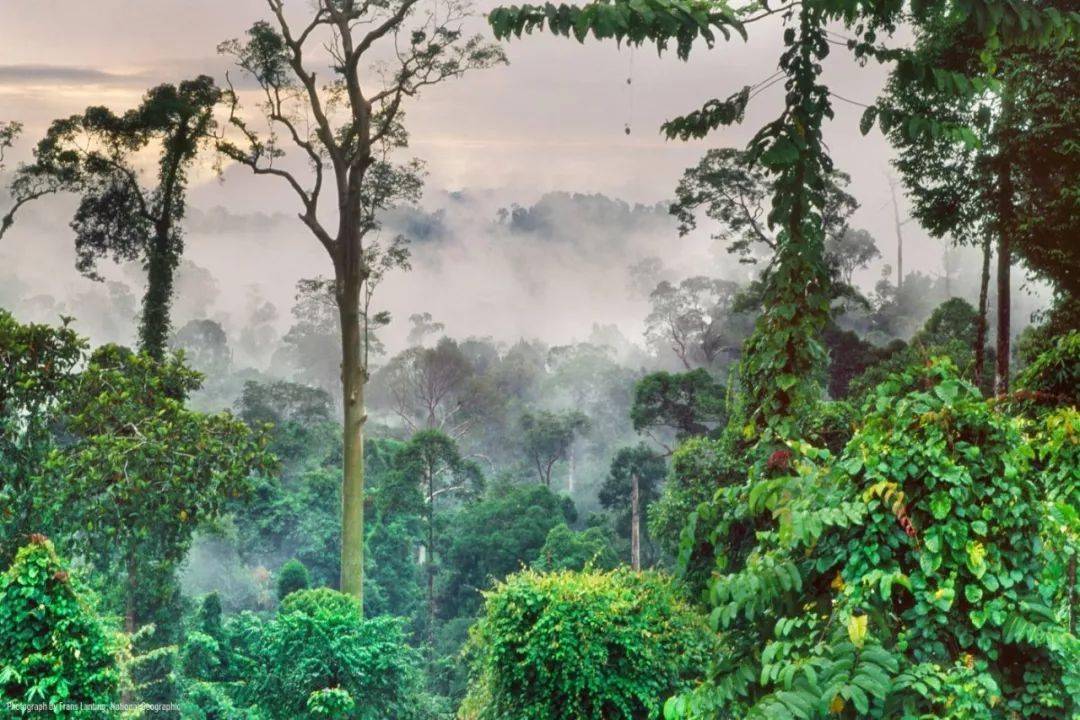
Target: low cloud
{"type": "Point", "coordinates": [65, 75]}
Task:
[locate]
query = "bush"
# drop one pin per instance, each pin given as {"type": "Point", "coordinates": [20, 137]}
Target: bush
{"type": "Point", "coordinates": [1053, 378]}
{"type": "Point", "coordinates": [208, 701]}
{"type": "Point", "coordinates": [319, 642]}
{"type": "Point", "coordinates": [566, 549]}
{"type": "Point", "coordinates": [53, 648]}
{"type": "Point", "coordinates": [588, 646]}
{"type": "Point", "coordinates": [913, 576]}
{"type": "Point", "coordinates": [293, 576]}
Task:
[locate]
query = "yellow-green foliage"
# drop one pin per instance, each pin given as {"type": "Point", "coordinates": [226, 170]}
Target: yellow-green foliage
{"type": "Point", "coordinates": [583, 645]}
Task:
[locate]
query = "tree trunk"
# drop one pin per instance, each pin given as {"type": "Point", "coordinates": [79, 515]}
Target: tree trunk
{"type": "Point", "coordinates": [353, 379]}
{"type": "Point", "coordinates": [984, 306]}
{"type": "Point", "coordinates": [130, 624]}
{"type": "Point", "coordinates": [1004, 308]}
{"type": "Point", "coordinates": [899, 239]}
{"type": "Point", "coordinates": [635, 522]}
{"type": "Point", "coordinates": [1005, 225]}
{"type": "Point", "coordinates": [431, 564]}
{"type": "Point", "coordinates": [570, 477]}
{"type": "Point", "coordinates": [154, 324]}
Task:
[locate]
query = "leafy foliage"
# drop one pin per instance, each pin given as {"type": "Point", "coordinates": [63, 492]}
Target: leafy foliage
{"type": "Point", "coordinates": [585, 645]}
{"type": "Point", "coordinates": [37, 368]}
{"type": "Point", "coordinates": [141, 470]}
{"type": "Point", "coordinates": [690, 403]}
{"type": "Point", "coordinates": [897, 580]}
{"type": "Point", "coordinates": [1054, 376]}
{"type": "Point", "coordinates": [566, 549]}
{"type": "Point", "coordinates": [292, 577]}
{"type": "Point", "coordinates": [320, 653]}
{"type": "Point", "coordinates": [54, 650]}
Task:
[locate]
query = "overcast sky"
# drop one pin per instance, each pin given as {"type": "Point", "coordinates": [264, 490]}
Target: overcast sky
{"type": "Point", "coordinates": [552, 121]}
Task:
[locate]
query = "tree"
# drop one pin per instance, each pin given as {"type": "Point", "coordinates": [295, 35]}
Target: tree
{"type": "Point", "coordinates": [631, 487]}
{"type": "Point", "coordinates": [29, 183]}
{"type": "Point", "coordinates": [546, 438]}
{"type": "Point", "coordinates": [583, 645]}
{"type": "Point", "coordinates": [96, 155]}
{"type": "Point", "coordinates": [1009, 177]}
{"type": "Point", "coordinates": [732, 189]}
{"type": "Point", "coordinates": [54, 649]}
{"type": "Point", "coordinates": [38, 367]}
{"type": "Point", "coordinates": [431, 460]}
{"type": "Point", "coordinates": [690, 319]}
{"type": "Point", "coordinates": [279, 402]}
{"type": "Point", "coordinates": [141, 471]}
{"type": "Point", "coordinates": [292, 577]}
{"type": "Point", "coordinates": [494, 537]}
{"type": "Point", "coordinates": [422, 326]}
{"type": "Point", "coordinates": [205, 346]}
{"type": "Point", "coordinates": [690, 403]}
{"type": "Point", "coordinates": [353, 130]}
{"type": "Point", "coordinates": [320, 651]}
{"type": "Point", "coordinates": [566, 549]}
{"type": "Point", "coordinates": [429, 387]}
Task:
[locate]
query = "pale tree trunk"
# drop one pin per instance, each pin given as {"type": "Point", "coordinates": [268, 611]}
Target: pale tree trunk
{"type": "Point", "coordinates": [1004, 311]}
{"type": "Point", "coordinates": [1005, 225]}
{"type": "Point", "coordinates": [984, 306]}
{"type": "Point", "coordinates": [353, 379]}
{"type": "Point", "coordinates": [635, 522]}
{"type": "Point", "coordinates": [899, 238]}
{"type": "Point", "coordinates": [570, 478]}
{"type": "Point", "coordinates": [430, 567]}
{"type": "Point", "coordinates": [130, 622]}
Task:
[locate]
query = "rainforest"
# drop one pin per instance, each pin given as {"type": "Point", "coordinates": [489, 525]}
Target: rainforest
{"type": "Point", "coordinates": [616, 360]}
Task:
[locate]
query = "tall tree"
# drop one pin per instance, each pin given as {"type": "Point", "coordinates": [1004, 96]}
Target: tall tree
{"type": "Point", "coordinates": [356, 121]}
{"type": "Point", "coordinates": [432, 460]}
{"type": "Point", "coordinates": [1010, 174]}
{"type": "Point", "coordinates": [690, 403]}
{"type": "Point", "coordinates": [546, 438]}
{"type": "Point", "coordinates": [632, 484]}
{"type": "Point", "coordinates": [97, 154]}
{"type": "Point", "coordinates": [691, 319]}
{"type": "Point", "coordinates": [732, 190]}
{"type": "Point", "coordinates": [141, 470]}
{"type": "Point", "coordinates": [429, 387]}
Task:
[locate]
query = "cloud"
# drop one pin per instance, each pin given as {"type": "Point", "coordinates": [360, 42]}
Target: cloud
{"type": "Point", "coordinates": [34, 74]}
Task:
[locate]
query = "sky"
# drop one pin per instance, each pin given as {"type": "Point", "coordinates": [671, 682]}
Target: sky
{"type": "Point", "coordinates": [554, 120]}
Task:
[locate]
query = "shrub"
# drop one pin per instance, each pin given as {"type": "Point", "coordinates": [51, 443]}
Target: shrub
{"type": "Point", "coordinates": [293, 576]}
{"type": "Point", "coordinates": [319, 642]}
{"type": "Point", "coordinates": [53, 648]}
{"type": "Point", "coordinates": [588, 646]}
{"type": "Point", "coordinates": [907, 578]}
{"type": "Point", "coordinates": [208, 701]}
{"type": "Point", "coordinates": [1053, 378]}
{"type": "Point", "coordinates": [567, 549]}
